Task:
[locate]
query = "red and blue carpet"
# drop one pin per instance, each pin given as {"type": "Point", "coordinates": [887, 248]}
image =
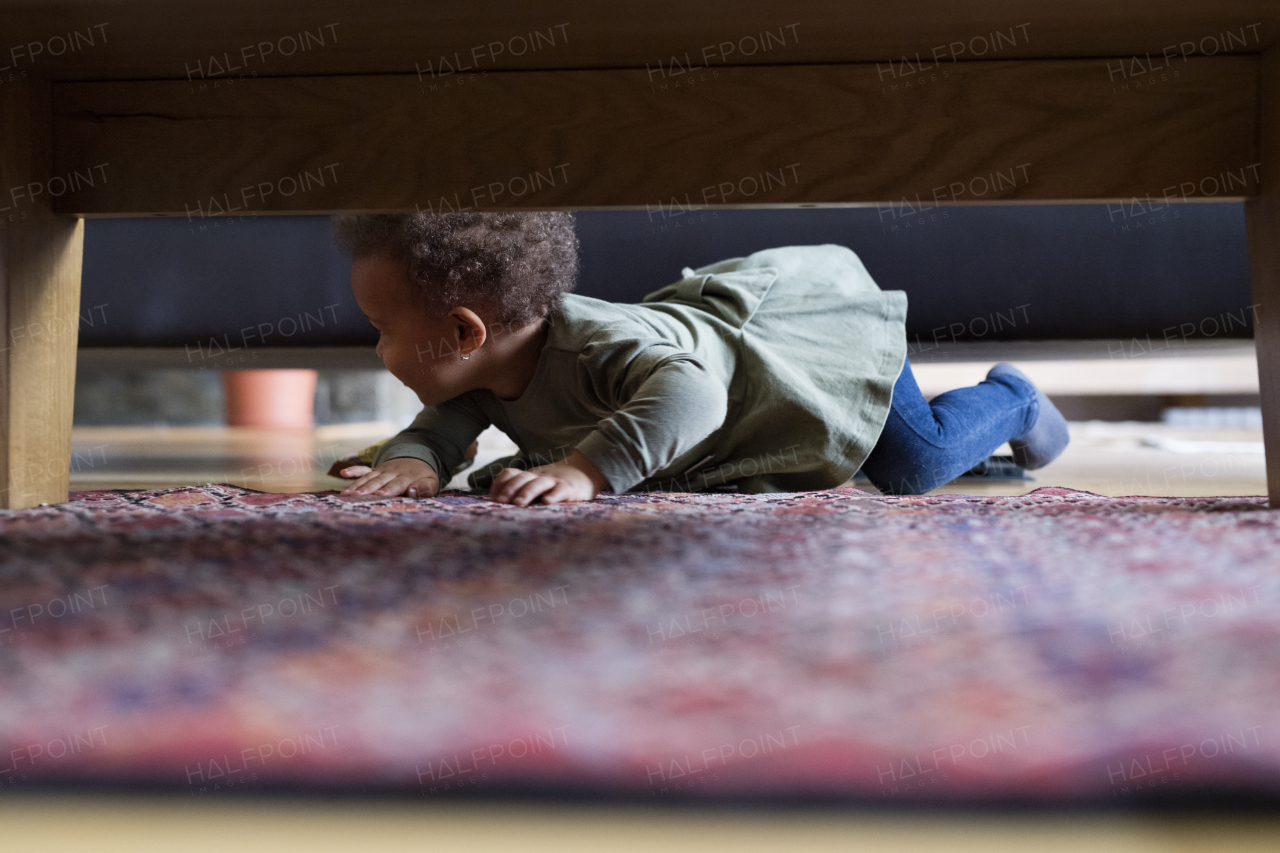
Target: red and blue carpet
{"type": "Point", "coordinates": [1056, 647]}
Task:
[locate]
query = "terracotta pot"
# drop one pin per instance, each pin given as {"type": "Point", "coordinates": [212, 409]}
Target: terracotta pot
{"type": "Point", "coordinates": [270, 399]}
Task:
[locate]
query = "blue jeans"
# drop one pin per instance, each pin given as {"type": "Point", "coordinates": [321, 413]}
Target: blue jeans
{"type": "Point", "coordinates": [926, 443]}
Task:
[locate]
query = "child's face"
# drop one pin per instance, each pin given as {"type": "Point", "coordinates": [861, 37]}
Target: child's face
{"type": "Point", "coordinates": [419, 349]}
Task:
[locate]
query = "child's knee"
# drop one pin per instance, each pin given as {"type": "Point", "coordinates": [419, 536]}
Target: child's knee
{"type": "Point", "coordinates": [911, 481]}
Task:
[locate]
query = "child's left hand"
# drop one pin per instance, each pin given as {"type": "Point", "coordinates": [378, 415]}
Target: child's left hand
{"type": "Point", "coordinates": [574, 479]}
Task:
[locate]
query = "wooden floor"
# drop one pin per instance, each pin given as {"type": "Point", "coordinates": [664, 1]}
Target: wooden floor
{"type": "Point", "coordinates": [262, 459]}
{"type": "Point", "coordinates": [1130, 458]}
{"type": "Point", "coordinates": [1137, 458]}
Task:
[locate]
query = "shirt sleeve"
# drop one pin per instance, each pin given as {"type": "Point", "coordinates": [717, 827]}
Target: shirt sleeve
{"type": "Point", "coordinates": [439, 436]}
{"type": "Point", "coordinates": [665, 403]}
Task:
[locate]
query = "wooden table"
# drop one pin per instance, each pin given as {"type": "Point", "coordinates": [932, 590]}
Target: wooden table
{"type": "Point", "coordinates": [204, 109]}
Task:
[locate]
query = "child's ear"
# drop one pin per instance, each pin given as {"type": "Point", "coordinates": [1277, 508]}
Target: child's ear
{"type": "Point", "coordinates": [470, 327]}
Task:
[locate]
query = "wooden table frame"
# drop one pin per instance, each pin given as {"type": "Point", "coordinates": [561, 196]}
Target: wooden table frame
{"type": "Point", "coordinates": [1083, 104]}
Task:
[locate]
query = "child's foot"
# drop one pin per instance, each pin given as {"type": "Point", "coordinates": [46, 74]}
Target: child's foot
{"type": "Point", "coordinates": [1048, 436]}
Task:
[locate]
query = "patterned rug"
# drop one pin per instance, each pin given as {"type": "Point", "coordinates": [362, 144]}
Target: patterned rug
{"type": "Point", "coordinates": [1058, 647]}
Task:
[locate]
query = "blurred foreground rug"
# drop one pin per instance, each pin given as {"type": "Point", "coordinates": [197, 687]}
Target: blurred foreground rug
{"type": "Point", "coordinates": [1057, 647]}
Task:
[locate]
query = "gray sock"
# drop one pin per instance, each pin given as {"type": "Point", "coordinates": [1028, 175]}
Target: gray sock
{"type": "Point", "coordinates": [1048, 436]}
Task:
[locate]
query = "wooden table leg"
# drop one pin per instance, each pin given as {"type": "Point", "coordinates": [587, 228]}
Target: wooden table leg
{"type": "Point", "coordinates": [40, 258]}
{"type": "Point", "coordinates": [1262, 216]}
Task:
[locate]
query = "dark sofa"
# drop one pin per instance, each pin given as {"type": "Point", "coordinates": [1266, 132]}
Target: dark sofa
{"type": "Point", "coordinates": [1024, 272]}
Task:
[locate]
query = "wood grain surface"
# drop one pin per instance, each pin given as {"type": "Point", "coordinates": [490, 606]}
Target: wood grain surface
{"type": "Point", "coordinates": [1262, 218]}
{"type": "Point", "coordinates": [975, 132]}
{"type": "Point", "coordinates": [157, 39]}
{"type": "Point", "coordinates": [40, 257]}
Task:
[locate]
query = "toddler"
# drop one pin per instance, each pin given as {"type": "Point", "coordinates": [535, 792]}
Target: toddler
{"type": "Point", "coordinates": [782, 371]}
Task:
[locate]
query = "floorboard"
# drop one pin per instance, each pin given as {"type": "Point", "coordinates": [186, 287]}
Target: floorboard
{"type": "Point", "coordinates": [1105, 458]}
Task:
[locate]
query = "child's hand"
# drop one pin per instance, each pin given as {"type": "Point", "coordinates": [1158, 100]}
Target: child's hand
{"type": "Point", "coordinates": [574, 479]}
{"type": "Point", "coordinates": [403, 475]}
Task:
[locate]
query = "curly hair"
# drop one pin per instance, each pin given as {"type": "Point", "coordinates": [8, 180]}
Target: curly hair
{"type": "Point", "coordinates": [518, 265]}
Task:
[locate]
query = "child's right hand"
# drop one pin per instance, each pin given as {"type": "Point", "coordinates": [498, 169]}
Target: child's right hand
{"type": "Point", "coordinates": [403, 475]}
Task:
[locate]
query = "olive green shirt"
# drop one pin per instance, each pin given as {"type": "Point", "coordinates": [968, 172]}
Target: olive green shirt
{"type": "Point", "coordinates": [772, 372]}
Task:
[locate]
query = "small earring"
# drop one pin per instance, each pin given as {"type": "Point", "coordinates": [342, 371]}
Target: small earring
{"type": "Point", "coordinates": [466, 355]}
